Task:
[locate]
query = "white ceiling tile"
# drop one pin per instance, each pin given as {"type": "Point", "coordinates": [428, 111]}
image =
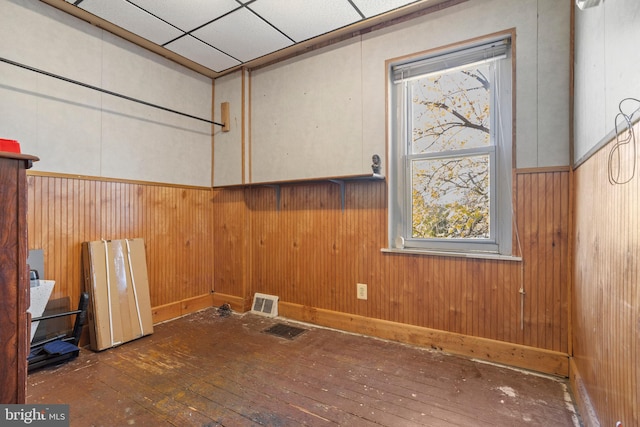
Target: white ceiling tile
{"type": "Point", "coordinates": [131, 18]}
{"type": "Point", "coordinates": [202, 53]}
{"type": "Point", "coordinates": [234, 31]}
{"type": "Point", "coordinates": [242, 35]}
{"type": "Point", "coordinates": [188, 15]}
{"type": "Point", "coordinates": [302, 20]}
{"type": "Point", "coordinates": [375, 7]}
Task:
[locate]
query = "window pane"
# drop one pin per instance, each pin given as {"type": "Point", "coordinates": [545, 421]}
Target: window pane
{"type": "Point", "coordinates": [450, 110]}
{"type": "Point", "coordinates": [450, 198]}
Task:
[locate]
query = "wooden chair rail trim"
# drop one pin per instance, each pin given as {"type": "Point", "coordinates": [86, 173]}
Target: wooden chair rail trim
{"type": "Point", "coordinates": [107, 179]}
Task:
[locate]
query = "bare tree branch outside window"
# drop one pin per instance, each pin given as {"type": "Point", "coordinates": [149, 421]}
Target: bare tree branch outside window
{"type": "Point", "coordinates": [450, 111]}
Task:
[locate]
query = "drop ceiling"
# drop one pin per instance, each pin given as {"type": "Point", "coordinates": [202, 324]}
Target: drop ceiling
{"type": "Point", "coordinates": [222, 35]}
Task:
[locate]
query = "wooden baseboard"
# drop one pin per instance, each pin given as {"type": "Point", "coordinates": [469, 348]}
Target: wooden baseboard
{"type": "Point", "coordinates": [520, 356]}
{"type": "Point", "coordinates": [180, 308]}
{"type": "Point", "coordinates": [237, 303]}
{"type": "Point", "coordinates": [176, 309]}
{"type": "Point", "coordinates": [585, 408]}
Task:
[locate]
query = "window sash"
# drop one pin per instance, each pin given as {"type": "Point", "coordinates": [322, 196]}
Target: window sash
{"type": "Point", "coordinates": [466, 152]}
{"type": "Point", "coordinates": [489, 243]}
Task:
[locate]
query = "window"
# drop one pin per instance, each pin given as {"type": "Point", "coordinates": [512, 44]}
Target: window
{"type": "Point", "coordinates": [450, 151]}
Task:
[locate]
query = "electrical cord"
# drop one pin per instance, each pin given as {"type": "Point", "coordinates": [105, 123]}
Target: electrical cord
{"type": "Point", "coordinates": [624, 136]}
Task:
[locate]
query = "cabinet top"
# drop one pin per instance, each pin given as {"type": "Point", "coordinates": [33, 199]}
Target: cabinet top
{"type": "Point", "coordinates": [18, 156]}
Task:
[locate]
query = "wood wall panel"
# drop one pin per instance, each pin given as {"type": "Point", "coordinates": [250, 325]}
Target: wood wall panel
{"type": "Point", "coordinates": [175, 222]}
{"type": "Point", "coordinates": [543, 222]}
{"type": "Point", "coordinates": [606, 295]}
{"type": "Point", "coordinates": [229, 240]}
{"type": "Point", "coordinates": [312, 253]}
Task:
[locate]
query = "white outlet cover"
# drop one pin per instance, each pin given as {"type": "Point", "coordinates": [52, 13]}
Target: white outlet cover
{"type": "Point", "coordinates": [361, 291]}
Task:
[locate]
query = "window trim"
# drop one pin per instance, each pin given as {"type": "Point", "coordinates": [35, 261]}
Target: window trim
{"type": "Point", "coordinates": [501, 190]}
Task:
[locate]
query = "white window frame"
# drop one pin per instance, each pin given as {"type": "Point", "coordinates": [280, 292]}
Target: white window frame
{"type": "Point", "coordinates": [500, 150]}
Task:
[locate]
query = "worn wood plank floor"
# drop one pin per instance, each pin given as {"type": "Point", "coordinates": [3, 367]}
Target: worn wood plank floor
{"type": "Point", "coordinates": [208, 370]}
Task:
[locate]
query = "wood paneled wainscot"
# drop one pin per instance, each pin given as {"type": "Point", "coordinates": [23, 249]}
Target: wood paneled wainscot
{"type": "Point", "coordinates": [14, 278]}
{"type": "Point", "coordinates": [605, 369]}
{"type": "Point", "coordinates": [311, 253]}
{"type": "Point", "coordinates": [174, 221]}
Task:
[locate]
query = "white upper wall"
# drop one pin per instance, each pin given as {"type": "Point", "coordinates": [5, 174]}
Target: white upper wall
{"type": "Point", "coordinates": [606, 70]}
{"type": "Point", "coordinates": [323, 114]}
{"type": "Point", "coordinates": [80, 131]}
{"type": "Point", "coordinates": [326, 118]}
{"type": "Point", "coordinates": [542, 75]}
{"type": "Point", "coordinates": [228, 145]}
{"type": "Point", "coordinates": [306, 117]}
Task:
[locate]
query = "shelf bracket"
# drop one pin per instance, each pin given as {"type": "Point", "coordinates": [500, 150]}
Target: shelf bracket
{"type": "Point", "coordinates": [277, 188]}
{"type": "Point", "coordinates": [341, 185]}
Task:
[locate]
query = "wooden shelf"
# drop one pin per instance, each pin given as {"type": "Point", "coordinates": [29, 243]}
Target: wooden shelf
{"type": "Point", "coordinates": [339, 181]}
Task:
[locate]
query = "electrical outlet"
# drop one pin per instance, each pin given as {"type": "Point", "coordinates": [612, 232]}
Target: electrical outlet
{"type": "Point", "coordinates": [361, 289]}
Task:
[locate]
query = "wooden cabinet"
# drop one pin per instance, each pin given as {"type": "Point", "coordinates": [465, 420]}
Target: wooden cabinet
{"type": "Point", "coordinates": [14, 277]}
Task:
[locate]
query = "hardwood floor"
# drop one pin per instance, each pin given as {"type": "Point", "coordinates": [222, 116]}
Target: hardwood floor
{"type": "Point", "coordinates": [210, 370]}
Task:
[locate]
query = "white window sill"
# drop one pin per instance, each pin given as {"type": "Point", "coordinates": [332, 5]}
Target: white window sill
{"type": "Point", "coordinates": [476, 255]}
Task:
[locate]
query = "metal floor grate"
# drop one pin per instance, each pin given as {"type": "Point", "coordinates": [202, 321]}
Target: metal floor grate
{"type": "Point", "coordinates": [284, 331]}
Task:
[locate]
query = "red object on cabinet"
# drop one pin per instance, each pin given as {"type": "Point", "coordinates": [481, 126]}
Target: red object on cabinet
{"type": "Point", "coordinates": [9, 145]}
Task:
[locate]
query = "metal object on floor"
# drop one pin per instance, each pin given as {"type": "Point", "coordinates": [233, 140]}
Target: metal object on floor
{"type": "Point", "coordinates": [62, 347]}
